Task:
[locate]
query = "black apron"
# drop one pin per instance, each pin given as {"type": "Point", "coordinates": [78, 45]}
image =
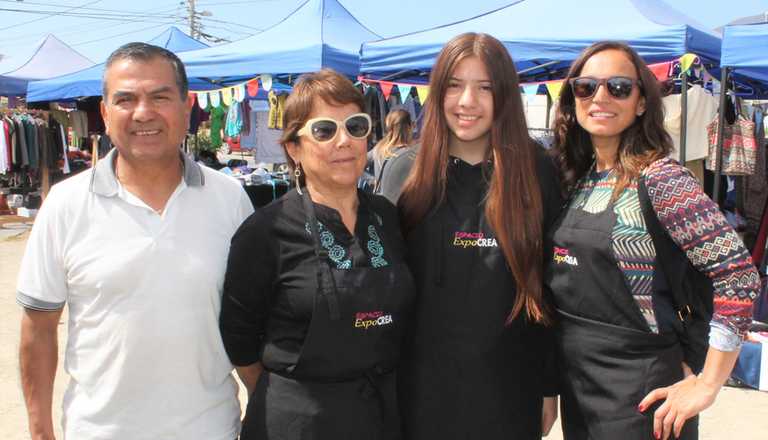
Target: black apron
{"type": "Point", "coordinates": [465, 374]}
{"type": "Point", "coordinates": [610, 358]}
{"type": "Point", "coordinates": [343, 384]}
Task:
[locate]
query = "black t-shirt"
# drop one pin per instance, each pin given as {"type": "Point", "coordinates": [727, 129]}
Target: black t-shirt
{"type": "Point", "coordinates": [271, 277]}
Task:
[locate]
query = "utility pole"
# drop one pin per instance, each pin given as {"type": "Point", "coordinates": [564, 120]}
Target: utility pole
{"type": "Point", "coordinates": [193, 25]}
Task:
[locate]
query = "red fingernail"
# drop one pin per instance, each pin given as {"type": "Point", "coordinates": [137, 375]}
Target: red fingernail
{"type": "Point", "coordinates": [656, 435]}
{"type": "Point", "coordinates": [640, 408]}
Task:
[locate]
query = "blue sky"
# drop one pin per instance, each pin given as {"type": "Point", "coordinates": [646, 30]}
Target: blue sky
{"type": "Point", "coordinates": [121, 21]}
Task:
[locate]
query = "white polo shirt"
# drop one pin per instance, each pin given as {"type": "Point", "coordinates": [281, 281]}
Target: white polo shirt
{"type": "Point", "coordinates": [144, 353]}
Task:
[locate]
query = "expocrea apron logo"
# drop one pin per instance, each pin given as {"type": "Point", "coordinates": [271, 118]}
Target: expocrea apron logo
{"type": "Point", "coordinates": [563, 256]}
{"type": "Point", "coordinates": [472, 239]}
{"type": "Point", "coordinates": [365, 320]}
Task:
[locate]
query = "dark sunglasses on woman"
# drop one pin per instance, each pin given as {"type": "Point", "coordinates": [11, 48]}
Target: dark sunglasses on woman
{"type": "Point", "coordinates": [324, 129]}
{"type": "Point", "coordinates": [620, 87]}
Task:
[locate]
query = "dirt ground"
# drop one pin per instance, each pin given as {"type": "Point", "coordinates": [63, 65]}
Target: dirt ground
{"type": "Point", "coordinates": [737, 414]}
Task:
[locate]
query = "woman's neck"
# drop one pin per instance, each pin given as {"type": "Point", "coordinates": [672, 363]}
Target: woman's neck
{"type": "Point", "coordinates": [472, 152]}
{"type": "Point", "coordinates": [606, 153]}
{"type": "Point", "coordinates": [343, 200]}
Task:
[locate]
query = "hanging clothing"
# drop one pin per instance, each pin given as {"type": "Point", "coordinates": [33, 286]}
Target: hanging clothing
{"type": "Point", "coordinates": [617, 336]}
{"type": "Point", "coordinates": [324, 311]}
{"type": "Point", "coordinates": [217, 123]}
{"type": "Point", "coordinates": [701, 109]}
{"type": "Point", "coordinates": [79, 120]}
{"type": "Point", "coordinates": [756, 185]}
{"type": "Point", "coordinates": [5, 163]}
{"type": "Point", "coordinates": [234, 120]}
{"type": "Point", "coordinates": [276, 109]}
{"type": "Point", "coordinates": [466, 373]}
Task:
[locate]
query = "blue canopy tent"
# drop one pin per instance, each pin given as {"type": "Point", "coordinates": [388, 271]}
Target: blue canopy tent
{"type": "Point", "coordinates": [88, 82]}
{"type": "Point", "coordinates": [745, 51]}
{"type": "Point", "coordinates": [744, 59]}
{"type": "Point", "coordinates": [552, 32]}
{"type": "Point", "coordinates": [49, 59]}
{"type": "Point", "coordinates": [319, 33]}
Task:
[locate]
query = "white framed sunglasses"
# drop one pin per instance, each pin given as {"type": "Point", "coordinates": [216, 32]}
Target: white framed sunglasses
{"type": "Point", "coordinates": [358, 126]}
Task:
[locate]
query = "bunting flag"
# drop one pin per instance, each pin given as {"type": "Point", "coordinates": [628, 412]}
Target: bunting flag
{"type": "Point", "coordinates": [661, 70]}
{"type": "Point", "coordinates": [405, 91]}
{"type": "Point", "coordinates": [554, 89]}
{"type": "Point", "coordinates": [423, 92]}
{"type": "Point", "coordinates": [202, 99]}
{"type": "Point", "coordinates": [215, 98]}
{"type": "Point", "coordinates": [226, 96]}
{"type": "Point", "coordinates": [530, 91]}
{"type": "Point", "coordinates": [253, 87]}
{"type": "Point", "coordinates": [266, 81]}
{"type": "Point", "coordinates": [239, 92]}
{"type": "Point", "coordinates": [386, 88]}
{"type": "Point", "coordinates": [686, 61]}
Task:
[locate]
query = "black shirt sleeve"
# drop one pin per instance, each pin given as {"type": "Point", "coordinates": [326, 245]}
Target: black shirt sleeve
{"type": "Point", "coordinates": [248, 284]}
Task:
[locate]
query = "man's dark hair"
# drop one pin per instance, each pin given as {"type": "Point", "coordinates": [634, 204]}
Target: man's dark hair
{"type": "Point", "coordinates": [146, 52]}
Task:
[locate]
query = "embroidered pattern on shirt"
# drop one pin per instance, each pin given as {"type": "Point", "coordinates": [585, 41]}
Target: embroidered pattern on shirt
{"type": "Point", "coordinates": [375, 248]}
{"type": "Point", "coordinates": [338, 254]}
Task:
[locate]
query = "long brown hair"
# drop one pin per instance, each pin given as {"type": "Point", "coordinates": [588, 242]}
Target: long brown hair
{"type": "Point", "coordinates": [643, 142]}
{"type": "Point", "coordinates": [513, 204]}
{"type": "Point", "coordinates": [399, 133]}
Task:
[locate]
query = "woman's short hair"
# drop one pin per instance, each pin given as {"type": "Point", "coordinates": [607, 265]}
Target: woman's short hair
{"type": "Point", "coordinates": [327, 85]}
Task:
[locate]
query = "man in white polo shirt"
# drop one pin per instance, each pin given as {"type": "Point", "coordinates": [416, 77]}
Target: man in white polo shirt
{"type": "Point", "coordinates": [137, 248]}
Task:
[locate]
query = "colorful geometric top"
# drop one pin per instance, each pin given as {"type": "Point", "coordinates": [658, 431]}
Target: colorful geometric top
{"type": "Point", "coordinates": [694, 223]}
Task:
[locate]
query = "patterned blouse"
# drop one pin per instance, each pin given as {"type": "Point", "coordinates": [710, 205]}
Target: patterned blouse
{"type": "Point", "coordinates": [696, 225]}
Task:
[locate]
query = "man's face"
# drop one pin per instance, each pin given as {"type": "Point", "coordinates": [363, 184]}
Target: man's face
{"type": "Point", "coordinates": [144, 114]}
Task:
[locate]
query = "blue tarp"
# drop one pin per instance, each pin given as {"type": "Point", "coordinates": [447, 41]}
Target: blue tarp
{"type": "Point", "coordinates": [745, 48]}
{"type": "Point", "coordinates": [541, 31]}
{"type": "Point", "coordinates": [49, 59]}
{"type": "Point", "coordinates": [88, 82]}
{"type": "Point", "coordinates": [319, 33]}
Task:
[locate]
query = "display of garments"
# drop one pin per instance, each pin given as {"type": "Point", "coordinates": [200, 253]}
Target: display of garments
{"type": "Point", "coordinates": [268, 148]}
{"type": "Point", "coordinates": [217, 123]}
{"type": "Point", "coordinates": [276, 109]}
{"type": "Point", "coordinates": [248, 139]}
{"type": "Point", "coordinates": [756, 185]}
{"type": "Point", "coordinates": [234, 121]}
{"type": "Point", "coordinates": [5, 164]}
{"type": "Point", "coordinates": [701, 109]}
{"type": "Point", "coordinates": [79, 121]}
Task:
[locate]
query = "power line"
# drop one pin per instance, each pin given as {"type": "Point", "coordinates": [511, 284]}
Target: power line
{"type": "Point", "coordinates": [52, 15]}
{"type": "Point", "coordinates": [120, 35]}
{"type": "Point", "coordinates": [99, 15]}
{"type": "Point", "coordinates": [26, 3]}
{"type": "Point", "coordinates": [79, 26]}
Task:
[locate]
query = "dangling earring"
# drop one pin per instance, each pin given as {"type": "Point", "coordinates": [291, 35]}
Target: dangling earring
{"type": "Point", "coordinates": [297, 174]}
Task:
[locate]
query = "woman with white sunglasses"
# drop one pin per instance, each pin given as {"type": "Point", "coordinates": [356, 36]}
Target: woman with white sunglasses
{"type": "Point", "coordinates": [316, 292]}
{"type": "Point", "coordinates": [635, 261]}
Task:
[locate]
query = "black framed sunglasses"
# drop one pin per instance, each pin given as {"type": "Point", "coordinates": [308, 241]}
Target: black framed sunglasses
{"type": "Point", "coordinates": [620, 87]}
{"type": "Point", "coordinates": [323, 130]}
